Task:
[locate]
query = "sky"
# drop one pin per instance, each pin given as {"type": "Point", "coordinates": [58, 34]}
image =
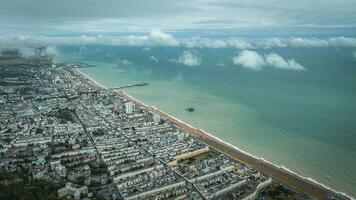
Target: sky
{"type": "Point", "coordinates": [120, 16]}
{"type": "Point", "coordinates": [245, 25]}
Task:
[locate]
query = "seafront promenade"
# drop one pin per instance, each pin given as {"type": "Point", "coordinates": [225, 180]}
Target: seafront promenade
{"type": "Point", "coordinates": [291, 179]}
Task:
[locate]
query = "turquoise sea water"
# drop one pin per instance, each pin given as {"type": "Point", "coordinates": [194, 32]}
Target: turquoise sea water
{"type": "Point", "coordinates": [303, 120]}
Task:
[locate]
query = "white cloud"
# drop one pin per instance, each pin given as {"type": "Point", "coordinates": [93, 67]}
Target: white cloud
{"type": "Point", "coordinates": [201, 42]}
{"type": "Point", "coordinates": [50, 50]}
{"type": "Point", "coordinates": [190, 58]}
{"type": "Point", "coordinates": [277, 61]}
{"type": "Point", "coordinates": [124, 62]}
{"type": "Point", "coordinates": [220, 64]}
{"type": "Point", "coordinates": [342, 42]}
{"type": "Point", "coordinates": [354, 54]}
{"type": "Point", "coordinates": [157, 37]}
{"type": "Point", "coordinates": [154, 38]}
{"type": "Point", "coordinates": [27, 52]}
{"type": "Point", "coordinates": [308, 42]}
{"type": "Point", "coordinates": [255, 61]}
{"type": "Point", "coordinates": [164, 39]}
{"type": "Point", "coordinates": [316, 42]}
{"type": "Point", "coordinates": [250, 60]}
{"type": "Point", "coordinates": [240, 43]}
{"type": "Point", "coordinates": [273, 42]}
{"type": "Point", "coordinates": [153, 58]}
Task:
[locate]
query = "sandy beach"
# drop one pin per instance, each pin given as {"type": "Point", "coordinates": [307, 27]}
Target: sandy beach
{"type": "Point", "coordinates": [279, 173]}
{"type": "Point", "coordinates": [91, 80]}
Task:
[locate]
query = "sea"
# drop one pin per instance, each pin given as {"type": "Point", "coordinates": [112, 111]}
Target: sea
{"type": "Point", "coordinates": [302, 120]}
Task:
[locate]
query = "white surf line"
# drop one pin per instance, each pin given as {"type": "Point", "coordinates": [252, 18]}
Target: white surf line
{"type": "Point", "coordinates": [91, 79]}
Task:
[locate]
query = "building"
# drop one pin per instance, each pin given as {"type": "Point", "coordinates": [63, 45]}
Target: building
{"type": "Point", "coordinates": [73, 190]}
{"type": "Point", "coordinates": [156, 118]}
{"type": "Point", "coordinates": [129, 107]}
{"type": "Point", "coordinates": [116, 104]}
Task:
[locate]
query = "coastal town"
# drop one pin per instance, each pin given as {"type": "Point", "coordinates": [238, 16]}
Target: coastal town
{"type": "Point", "coordinates": [66, 137]}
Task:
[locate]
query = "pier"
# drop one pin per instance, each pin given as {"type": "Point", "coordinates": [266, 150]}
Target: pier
{"type": "Point", "coordinates": [128, 86]}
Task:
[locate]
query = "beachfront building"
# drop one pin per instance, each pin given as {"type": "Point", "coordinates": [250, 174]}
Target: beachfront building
{"type": "Point", "coordinates": [129, 107]}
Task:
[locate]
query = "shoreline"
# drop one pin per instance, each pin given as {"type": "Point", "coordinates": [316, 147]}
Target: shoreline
{"type": "Point", "coordinates": [90, 79]}
{"type": "Point", "coordinates": [278, 172]}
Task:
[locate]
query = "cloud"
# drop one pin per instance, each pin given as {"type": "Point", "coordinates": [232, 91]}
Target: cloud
{"type": "Point", "coordinates": [201, 42]}
{"type": "Point", "coordinates": [340, 41]}
{"type": "Point", "coordinates": [277, 61]}
{"type": "Point", "coordinates": [164, 39]}
{"type": "Point", "coordinates": [255, 61]}
{"type": "Point", "coordinates": [50, 50]}
{"type": "Point", "coordinates": [28, 52]}
{"type": "Point", "coordinates": [159, 38]}
{"type": "Point", "coordinates": [124, 62]}
{"type": "Point", "coordinates": [273, 42]}
{"type": "Point", "coordinates": [153, 58]}
{"type": "Point", "coordinates": [354, 54]}
{"type": "Point", "coordinates": [198, 42]}
{"type": "Point", "coordinates": [308, 42]}
{"type": "Point", "coordinates": [240, 43]}
{"type": "Point", "coordinates": [189, 58]}
{"type": "Point", "coordinates": [250, 60]}
{"type": "Point", "coordinates": [154, 38]}
{"type": "Point", "coordinates": [220, 64]}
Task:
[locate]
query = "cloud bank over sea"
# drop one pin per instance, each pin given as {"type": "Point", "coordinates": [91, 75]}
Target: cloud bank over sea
{"type": "Point", "coordinates": [252, 53]}
{"type": "Point", "coordinates": [255, 61]}
{"type": "Point", "coordinates": [158, 38]}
